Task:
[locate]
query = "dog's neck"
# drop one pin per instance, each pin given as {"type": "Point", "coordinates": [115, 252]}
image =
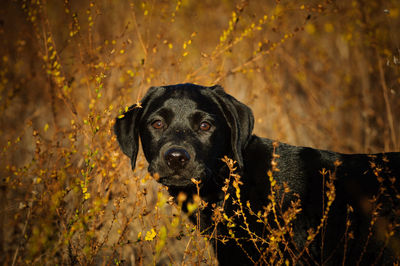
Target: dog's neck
{"type": "Point", "coordinates": [208, 192]}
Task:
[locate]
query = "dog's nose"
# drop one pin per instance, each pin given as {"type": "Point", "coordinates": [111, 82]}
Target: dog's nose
{"type": "Point", "coordinates": [176, 158]}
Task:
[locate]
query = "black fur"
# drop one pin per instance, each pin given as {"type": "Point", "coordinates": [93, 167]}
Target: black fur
{"type": "Point", "coordinates": [181, 109]}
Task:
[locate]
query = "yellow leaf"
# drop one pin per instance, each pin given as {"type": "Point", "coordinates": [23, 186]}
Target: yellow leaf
{"type": "Point", "coordinates": [394, 12]}
{"type": "Point", "coordinates": [329, 27]}
{"type": "Point", "coordinates": [310, 28]}
{"type": "Point", "coordinates": [191, 207]}
{"type": "Point", "coordinates": [226, 196]}
{"type": "Point", "coordinates": [150, 235]}
{"type": "Point", "coordinates": [162, 236]}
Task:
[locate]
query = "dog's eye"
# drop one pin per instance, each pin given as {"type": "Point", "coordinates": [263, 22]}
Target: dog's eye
{"type": "Point", "coordinates": [204, 126]}
{"type": "Point", "coordinates": [157, 124]}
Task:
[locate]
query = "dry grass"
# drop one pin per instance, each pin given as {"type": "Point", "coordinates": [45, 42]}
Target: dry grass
{"type": "Point", "coordinates": [316, 73]}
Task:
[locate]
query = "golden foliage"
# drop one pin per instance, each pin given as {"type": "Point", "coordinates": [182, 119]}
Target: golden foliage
{"type": "Point", "coordinates": [319, 73]}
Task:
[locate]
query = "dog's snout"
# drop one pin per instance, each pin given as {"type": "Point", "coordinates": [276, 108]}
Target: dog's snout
{"type": "Point", "coordinates": [176, 158]}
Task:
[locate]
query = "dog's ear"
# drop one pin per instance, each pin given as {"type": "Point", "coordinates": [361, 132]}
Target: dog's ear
{"type": "Point", "coordinates": [240, 120]}
{"type": "Point", "coordinates": [126, 127]}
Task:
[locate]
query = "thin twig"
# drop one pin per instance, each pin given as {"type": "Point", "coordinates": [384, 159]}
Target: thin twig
{"type": "Point", "coordinates": [186, 251]}
{"type": "Point", "coordinates": [387, 103]}
{"type": "Point", "coordinates": [23, 233]}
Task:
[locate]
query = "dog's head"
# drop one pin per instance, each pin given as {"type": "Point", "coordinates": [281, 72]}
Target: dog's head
{"type": "Point", "coordinates": [185, 130]}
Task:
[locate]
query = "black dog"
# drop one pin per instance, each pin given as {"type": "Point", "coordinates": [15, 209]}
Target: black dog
{"type": "Point", "coordinates": [283, 208]}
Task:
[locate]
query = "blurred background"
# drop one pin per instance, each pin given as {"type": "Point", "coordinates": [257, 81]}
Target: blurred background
{"type": "Point", "coordinates": [316, 73]}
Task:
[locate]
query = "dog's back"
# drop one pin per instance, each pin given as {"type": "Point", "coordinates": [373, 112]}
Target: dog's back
{"type": "Point", "coordinates": [357, 220]}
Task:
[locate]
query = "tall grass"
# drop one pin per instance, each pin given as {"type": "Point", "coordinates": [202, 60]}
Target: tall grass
{"type": "Point", "coordinates": [317, 73]}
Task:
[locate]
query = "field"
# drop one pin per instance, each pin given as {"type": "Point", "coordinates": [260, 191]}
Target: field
{"type": "Point", "coordinates": [324, 74]}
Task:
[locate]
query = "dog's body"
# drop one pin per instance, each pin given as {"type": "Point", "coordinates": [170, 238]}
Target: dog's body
{"type": "Point", "coordinates": [185, 131]}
